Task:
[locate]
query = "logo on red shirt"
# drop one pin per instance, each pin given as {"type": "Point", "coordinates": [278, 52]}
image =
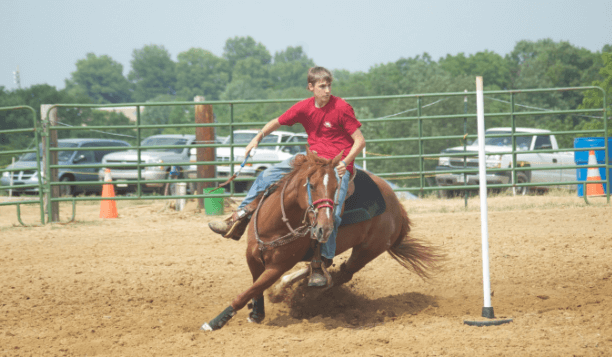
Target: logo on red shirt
{"type": "Point", "coordinates": [327, 124]}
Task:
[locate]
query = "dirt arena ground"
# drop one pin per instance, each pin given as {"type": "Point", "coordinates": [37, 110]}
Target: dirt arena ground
{"type": "Point", "coordinates": [142, 284]}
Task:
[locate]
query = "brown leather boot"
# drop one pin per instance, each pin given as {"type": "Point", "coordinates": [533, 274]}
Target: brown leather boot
{"type": "Point", "coordinates": [234, 226]}
{"type": "Point", "coordinates": [231, 227]}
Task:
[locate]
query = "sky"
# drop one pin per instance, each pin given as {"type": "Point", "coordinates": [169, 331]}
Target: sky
{"type": "Point", "coordinates": [45, 38]}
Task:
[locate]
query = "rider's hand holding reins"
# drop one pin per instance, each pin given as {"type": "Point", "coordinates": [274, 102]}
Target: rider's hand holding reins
{"type": "Point", "coordinates": [341, 168]}
{"type": "Point", "coordinates": [253, 144]}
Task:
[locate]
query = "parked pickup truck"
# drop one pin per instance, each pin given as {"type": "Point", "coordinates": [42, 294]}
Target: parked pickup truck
{"type": "Point", "coordinates": [539, 140]}
{"type": "Point", "coordinates": [262, 153]}
{"type": "Point", "coordinates": [164, 157]}
{"type": "Point", "coordinates": [71, 155]}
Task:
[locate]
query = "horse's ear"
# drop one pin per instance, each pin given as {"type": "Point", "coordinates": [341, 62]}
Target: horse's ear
{"type": "Point", "coordinates": [337, 159]}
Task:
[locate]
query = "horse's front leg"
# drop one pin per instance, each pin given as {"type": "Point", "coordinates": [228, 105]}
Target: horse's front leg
{"type": "Point", "coordinates": [265, 280]}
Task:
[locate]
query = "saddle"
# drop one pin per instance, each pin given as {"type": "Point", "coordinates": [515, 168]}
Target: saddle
{"type": "Point", "coordinates": [364, 200]}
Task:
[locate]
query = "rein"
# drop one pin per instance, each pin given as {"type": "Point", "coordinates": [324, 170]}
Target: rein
{"type": "Point", "coordinates": [302, 230]}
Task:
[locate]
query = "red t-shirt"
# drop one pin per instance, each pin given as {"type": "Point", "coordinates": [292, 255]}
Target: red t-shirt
{"type": "Point", "coordinates": [329, 128]}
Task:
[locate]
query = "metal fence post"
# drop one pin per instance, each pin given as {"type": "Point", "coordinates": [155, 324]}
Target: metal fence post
{"type": "Point", "coordinates": [50, 158]}
{"type": "Point", "coordinates": [421, 160]}
{"type": "Point", "coordinates": [465, 133]}
{"type": "Point", "coordinates": [513, 138]}
{"type": "Point", "coordinates": [138, 154]}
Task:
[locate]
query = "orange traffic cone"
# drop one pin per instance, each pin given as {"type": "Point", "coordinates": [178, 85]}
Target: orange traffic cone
{"type": "Point", "coordinates": [108, 208]}
{"type": "Point", "coordinates": [594, 189]}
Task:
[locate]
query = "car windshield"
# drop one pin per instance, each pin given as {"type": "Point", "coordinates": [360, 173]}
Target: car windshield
{"type": "Point", "coordinates": [157, 141]}
{"type": "Point", "coordinates": [522, 142]}
{"type": "Point", "coordinates": [245, 138]}
{"type": "Point", "coordinates": [61, 155]}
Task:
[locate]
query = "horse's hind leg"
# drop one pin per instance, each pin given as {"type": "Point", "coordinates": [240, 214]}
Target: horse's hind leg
{"type": "Point", "coordinates": [359, 258]}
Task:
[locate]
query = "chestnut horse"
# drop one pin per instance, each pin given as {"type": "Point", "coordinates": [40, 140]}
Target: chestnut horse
{"type": "Point", "coordinates": [281, 231]}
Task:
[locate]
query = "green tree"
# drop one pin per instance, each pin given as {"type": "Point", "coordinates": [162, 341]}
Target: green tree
{"type": "Point", "coordinates": [595, 98]}
{"type": "Point", "coordinates": [153, 73]}
{"type": "Point", "coordinates": [94, 117]}
{"type": "Point", "coordinates": [239, 48]}
{"type": "Point", "coordinates": [547, 64]}
{"type": "Point", "coordinates": [242, 48]}
{"type": "Point", "coordinates": [243, 89]}
{"type": "Point", "coordinates": [33, 96]}
{"type": "Point", "coordinates": [494, 69]}
{"type": "Point", "coordinates": [253, 71]}
{"type": "Point", "coordinates": [199, 72]}
{"type": "Point", "coordinates": [101, 78]}
{"type": "Point", "coordinates": [173, 114]}
{"type": "Point", "coordinates": [290, 68]}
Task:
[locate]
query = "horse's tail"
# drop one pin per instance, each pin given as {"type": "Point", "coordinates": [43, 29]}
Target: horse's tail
{"type": "Point", "coordinates": [414, 254]}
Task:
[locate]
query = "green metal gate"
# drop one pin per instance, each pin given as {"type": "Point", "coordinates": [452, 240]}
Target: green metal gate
{"type": "Point", "coordinates": [36, 132]}
{"type": "Point", "coordinates": [414, 180]}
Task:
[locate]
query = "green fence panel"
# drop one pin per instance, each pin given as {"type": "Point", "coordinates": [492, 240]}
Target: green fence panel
{"type": "Point", "coordinates": [421, 176]}
{"type": "Point", "coordinates": [9, 173]}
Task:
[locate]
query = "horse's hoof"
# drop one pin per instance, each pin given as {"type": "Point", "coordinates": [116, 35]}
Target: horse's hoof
{"type": "Point", "coordinates": [206, 327]}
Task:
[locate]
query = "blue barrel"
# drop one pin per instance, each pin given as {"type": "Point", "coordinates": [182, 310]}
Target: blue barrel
{"type": "Point", "coordinates": [582, 158]}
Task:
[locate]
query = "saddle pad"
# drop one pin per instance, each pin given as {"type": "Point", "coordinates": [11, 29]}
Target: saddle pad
{"type": "Point", "coordinates": [365, 203]}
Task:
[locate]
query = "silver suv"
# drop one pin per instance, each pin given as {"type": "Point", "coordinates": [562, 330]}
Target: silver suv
{"type": "Point", "coordinates": [166, 158]}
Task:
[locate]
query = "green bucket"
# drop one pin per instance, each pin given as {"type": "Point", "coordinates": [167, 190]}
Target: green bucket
{"type": "Point", "coordinates": [214, 205]}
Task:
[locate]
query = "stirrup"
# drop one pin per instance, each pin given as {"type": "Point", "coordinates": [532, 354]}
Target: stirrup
{"type": "Point", "coordinates": [319, 277]}
{"type": "Point", "coordinates": [239, 225]}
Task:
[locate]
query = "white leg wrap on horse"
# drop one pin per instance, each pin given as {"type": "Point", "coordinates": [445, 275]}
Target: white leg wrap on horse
{"type": "Point", "coordinates": [298, 275]}
{"type": "Point", "coordinates": [289, 279]}
{"type": "Point", "coordinates": [206, 327]}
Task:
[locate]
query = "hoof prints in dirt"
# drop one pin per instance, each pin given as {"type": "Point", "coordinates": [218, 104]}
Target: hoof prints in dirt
{"type": "Point", "coordinates": [340, 306]}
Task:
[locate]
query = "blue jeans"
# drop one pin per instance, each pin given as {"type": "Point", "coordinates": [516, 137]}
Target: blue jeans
{"type": "Point", "coordinates": [274, 173]}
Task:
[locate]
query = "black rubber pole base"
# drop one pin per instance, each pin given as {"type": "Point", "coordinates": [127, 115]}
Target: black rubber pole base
{"type": "Point", "coordinates": [487, 323]}
{"type": "Point", "coordinates": [488, 313]}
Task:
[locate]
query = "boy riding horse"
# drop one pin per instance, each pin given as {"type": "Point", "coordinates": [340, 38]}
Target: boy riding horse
{"type": "Point", "coordinates": [332, 128]}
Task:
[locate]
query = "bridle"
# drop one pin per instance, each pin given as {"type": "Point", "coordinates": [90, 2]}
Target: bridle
{"type": "Point", "coordinates": [307, 224]}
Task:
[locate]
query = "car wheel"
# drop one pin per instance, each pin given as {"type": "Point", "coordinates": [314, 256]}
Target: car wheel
{"type": "Point", "coordinates": [66, 190]}
{"type": "Point", "coordinates": [446, 193]}
{"type": "Point", "coordinates": [521, 177]}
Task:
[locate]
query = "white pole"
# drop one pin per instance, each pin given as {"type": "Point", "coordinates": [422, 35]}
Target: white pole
{"type": "Point", "coordinates": [482, 171]}
{"type": "Point", "coordinates": [181, 190]}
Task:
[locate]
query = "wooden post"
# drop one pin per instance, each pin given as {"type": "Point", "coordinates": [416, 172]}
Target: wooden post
{"type": "Point", "coordinates": [204, 115]}
{"type": "Point", "coordinates": [52, 121]}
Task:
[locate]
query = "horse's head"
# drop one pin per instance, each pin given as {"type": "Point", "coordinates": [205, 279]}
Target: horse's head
{"type": "Point", "coordinates": [317, 186]}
